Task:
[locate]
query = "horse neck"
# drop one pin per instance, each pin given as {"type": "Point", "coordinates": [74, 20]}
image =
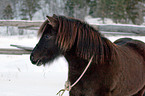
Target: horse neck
{"type": "Point", "coordinates": [78, 64]}
{"type": "Point", "coordinates": [109, 50]}
{"type": "Point", "coordinates": [107, 53]}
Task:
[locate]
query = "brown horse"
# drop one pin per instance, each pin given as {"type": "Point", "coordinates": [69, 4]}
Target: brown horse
{"type": "Point", "coordinates": [117, 69]}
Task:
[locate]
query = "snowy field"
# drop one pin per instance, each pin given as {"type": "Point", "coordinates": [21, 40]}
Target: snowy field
{"type": "Point", "coordinates": [18, 77]}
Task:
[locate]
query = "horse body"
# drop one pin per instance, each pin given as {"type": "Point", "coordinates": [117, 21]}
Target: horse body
{"type": "Point", "coordinates": [117, 69]}
{"type": "Point", "coordinates": [115, 78]}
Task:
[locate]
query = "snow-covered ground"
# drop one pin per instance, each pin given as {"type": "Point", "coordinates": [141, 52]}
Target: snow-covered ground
{"type": "Point", "coordinates": [18, 77]}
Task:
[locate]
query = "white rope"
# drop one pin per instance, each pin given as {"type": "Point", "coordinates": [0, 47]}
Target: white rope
{"type": "Point", "coordinates": [68, 86]}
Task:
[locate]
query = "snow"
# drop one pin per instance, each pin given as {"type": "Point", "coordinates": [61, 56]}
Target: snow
{"type": "Point", "coordinates": [107, 21]}
{"type": "Point", "coordinates": [18, 77]}
{"type": "Point", "coordinates": [23, 20]}
{"type": "Point", "coordinates": [95, 21]}
{"type": "Point", "coordinates": [113, 38]}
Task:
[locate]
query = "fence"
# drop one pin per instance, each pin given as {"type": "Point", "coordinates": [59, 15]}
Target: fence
{"type": "Point", "coordinates": [34, 25]}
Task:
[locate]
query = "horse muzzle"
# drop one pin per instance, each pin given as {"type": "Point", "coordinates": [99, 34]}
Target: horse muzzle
{"type": "Point", "coordinates": [35, 61]}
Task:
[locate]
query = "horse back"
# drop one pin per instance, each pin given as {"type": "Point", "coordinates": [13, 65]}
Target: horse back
{"type": "Point", "coordinates": [136, 45]}
{"type": "Point", "coordinates": [132, 58]}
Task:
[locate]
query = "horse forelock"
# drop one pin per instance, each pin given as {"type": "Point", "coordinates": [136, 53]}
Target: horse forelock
{"type": "Point", "coordinates": [66, 33]}
{"type": "Point", "coordinates": [42, 27]}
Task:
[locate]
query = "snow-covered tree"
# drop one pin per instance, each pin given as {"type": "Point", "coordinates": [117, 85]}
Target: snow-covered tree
{"type": "Point", "coordinates": [77, 8]}
{"type": "Point", "coordinates": [121, 11]}
{"type": "Point", "coordinates": [28, 8]}
{"type": "Point", "coordinates": [8, 12]}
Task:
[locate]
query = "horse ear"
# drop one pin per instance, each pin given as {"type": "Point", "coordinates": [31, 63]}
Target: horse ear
{"type": "Point", "coordinates": [52, 21]}
{"type": "Point", "coordinates": [54, 15]}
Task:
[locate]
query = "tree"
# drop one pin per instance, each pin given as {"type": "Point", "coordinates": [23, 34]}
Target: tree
{"type": "Point", "coordinates": [69, 7]}
{"type": "Point", "coordinates": [135, 10]}
{"type": "Point", "coordinates": [121, 11]}
{"type": "Point", "coordinates": [103, 9]}
{"type": "Point", "coordinates": [77, 8]}
{"type": "Point", "coordinates": [29, 7]}
{"type": "Point", "coordinates": [93, 7]}
{"type": "Point", "coordinates": [53, 7]}
{"type": "Point", "coordinates": [8, 12]}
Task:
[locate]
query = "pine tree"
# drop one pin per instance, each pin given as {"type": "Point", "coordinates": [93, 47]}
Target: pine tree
{"type": "Point", "coordinates": [29, 7]}
{"type": "Point", "coordinates": [103, 9]}
{"type": "Point", "coordinates": [69, 7]}
{"type": "Point", "coordinates": [8, 12]}
{"type": "Point", "coordinates": [93, 7]}
{"type": "Point", "coordinates": [77, 8]}
{"type": "Point", "coordinates": [121, 11]}
{"type": "Point", "coordinates": [134, 12]}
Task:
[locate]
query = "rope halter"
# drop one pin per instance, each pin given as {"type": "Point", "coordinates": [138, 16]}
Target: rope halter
{"type": "Point", "coordinates": [68, 86]}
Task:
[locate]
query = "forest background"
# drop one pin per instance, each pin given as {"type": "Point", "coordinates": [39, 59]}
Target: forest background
{"type": "Point", "coordinates": [119, 11]}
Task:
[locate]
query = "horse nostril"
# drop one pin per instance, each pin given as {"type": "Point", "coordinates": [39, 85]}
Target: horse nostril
{"type": "Point", "coordinates": [32, 58]}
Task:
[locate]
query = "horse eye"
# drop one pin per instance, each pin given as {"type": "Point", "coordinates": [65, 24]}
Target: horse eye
{"type": "Point", "coordinates": [48, 36]}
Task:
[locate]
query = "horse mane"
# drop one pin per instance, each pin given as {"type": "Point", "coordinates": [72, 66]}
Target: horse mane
{"type": "Point", "coordinates": [87, 40]}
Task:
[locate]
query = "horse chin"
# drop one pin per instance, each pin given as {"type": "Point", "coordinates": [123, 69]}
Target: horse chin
{"type": "Point", "coordinates": [39, 63]}
{"type": "Point", "coordinates": [42, 61]}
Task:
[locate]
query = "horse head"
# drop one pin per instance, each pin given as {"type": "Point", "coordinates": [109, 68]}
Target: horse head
{"type": "Point", "coordinates": [46, 49]}
{"type": "Point", "coordinates": [59, 34]}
